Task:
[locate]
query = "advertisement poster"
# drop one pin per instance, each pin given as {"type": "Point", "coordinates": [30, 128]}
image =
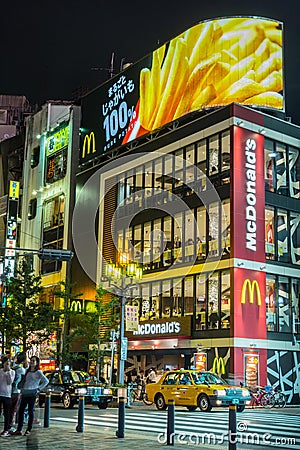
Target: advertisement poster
{"type": "Point", "coordinates": [251, 371]}
{"type": "Point", "coordinates": [200, 361]}
{"type": "Point", "coordinates": [212, 64]}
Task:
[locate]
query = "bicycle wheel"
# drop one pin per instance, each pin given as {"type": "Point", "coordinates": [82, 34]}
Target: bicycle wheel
{"type": "Point", "coordinates": [146, 401]}
{"type": "Point", "coordinates": [268, 401]}
{"type": "Point", "coordinates": [280, 400]}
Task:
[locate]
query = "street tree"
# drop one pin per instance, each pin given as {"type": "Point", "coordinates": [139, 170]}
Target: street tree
{"type": "Point", "coordinates": [96, 324]}
{"type": "Point", "coordinates": [25, 313]}
{"type": "Point", "coordinates": [64, 291]}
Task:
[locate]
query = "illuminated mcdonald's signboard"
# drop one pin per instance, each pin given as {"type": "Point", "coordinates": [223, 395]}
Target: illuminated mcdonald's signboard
{"type": "Point", "coordinates": [250, 288]}
{"type": "Point", "coordinates": [219, 365]}
{"type": "Point", "coordinates": [89, 144]}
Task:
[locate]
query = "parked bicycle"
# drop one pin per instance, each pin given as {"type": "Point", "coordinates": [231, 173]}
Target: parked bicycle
{"type": "Point", "coordinates": [138, 393]}
{"type": "Point", "coordinates": [261, 398]}
{"type": "Point", "coordinates": [277, 397]}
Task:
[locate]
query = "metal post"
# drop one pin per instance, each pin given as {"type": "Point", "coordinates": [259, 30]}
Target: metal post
{"type": "Point", "coordinates": [122, 329]}
{"type": "Point", "coordinates": [47, 410]}
{"type": "Point", "coordinates": [80, 425]}
{"type": "Point", "coordinates": [232, 436]}
{"type": "Point", "coordinates": [129, 392]}
{"type": "Point", "coordinates": [121, 419]}
{"type": "Point", "coordinates": [171, 422]}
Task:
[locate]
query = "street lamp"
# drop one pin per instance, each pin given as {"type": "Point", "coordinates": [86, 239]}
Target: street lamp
{"type": "Point", "coordinates": [124, 275]}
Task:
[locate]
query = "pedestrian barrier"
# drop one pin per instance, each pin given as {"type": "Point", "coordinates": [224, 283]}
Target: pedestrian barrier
{"type": "Point", "coordinates": [171, 422]}
{"type": "Point", "coordinates": [80, 423]}
{"type": "Point", "coordinates": [232, 428]}
{"type": "Point", "coordinates": [47, 410]}
{"type": "Point", "coordinates": [121, 418]}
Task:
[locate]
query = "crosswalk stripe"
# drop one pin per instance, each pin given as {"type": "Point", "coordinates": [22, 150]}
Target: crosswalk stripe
{"type": "Point", "coordinates": [193, 424]}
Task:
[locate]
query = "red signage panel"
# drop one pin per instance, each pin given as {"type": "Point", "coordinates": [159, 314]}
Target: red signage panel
{"type": "Point", "coordinates": [248, 212]}
{"type": "Point", "coordinates": [249, 304]}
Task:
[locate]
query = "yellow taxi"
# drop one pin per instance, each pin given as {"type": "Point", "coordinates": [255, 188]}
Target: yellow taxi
{"type": "Point", "coordinates": [193, 389]}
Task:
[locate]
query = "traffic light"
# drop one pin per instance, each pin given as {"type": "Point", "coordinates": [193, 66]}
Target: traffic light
{"type": "Point", "coordinates": [50, 254]}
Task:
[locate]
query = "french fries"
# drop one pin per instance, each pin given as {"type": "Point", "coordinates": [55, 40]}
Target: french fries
{"type": "Point", "coordinates": [212, 64]}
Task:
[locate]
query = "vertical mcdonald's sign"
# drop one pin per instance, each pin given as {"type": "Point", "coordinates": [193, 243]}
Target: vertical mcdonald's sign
{"type": "Point", "coordinates": [248, 195]}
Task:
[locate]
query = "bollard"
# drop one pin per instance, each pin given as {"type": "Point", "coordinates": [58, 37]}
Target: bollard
{"type": "Point", "coordinates": [80, 425]}
{"type": "Point", "coordinates": [232, 428]}
{"type": "Point", "coordinates": [171, 422]}
{"type": "Point", "coordinates": [47, 410]}
{"type": "Point", "coordinates": [121, 418]}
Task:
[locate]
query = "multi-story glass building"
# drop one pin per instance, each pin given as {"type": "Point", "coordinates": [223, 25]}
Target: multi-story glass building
{"type": "Point", "coordinates": [208, 205]}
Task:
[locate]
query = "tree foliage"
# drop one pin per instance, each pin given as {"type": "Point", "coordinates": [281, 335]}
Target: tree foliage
{"type": "Point", "coordinates": [96, 325]}
{"type": "Point", "coordinates": [25, 314]}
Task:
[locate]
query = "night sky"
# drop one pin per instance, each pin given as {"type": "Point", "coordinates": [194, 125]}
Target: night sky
{"type": "Point", "coordinates": [48, 50]}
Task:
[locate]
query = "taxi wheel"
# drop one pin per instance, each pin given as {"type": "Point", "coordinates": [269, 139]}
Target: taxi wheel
{"type": "Point", "coordinates": [204, 403]}
{"type": "Point", "coordinates": [192, 408]}
{"type": "Point", "coordinates": [240, 408]}
{"type": "Point", "coordinates": [67, 401]}
{"type": "Point", "coordinates": [160, 403]}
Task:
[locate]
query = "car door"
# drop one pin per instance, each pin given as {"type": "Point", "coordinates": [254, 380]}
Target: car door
{"type": "Point", "coordinates": [184, 389]}
{"type": "Point", "coordinates": [56, 387]}
{"type": "Point", "coordinates": [168, 386]}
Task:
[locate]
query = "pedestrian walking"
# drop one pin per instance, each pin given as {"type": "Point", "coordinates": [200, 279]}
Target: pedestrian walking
{"type": "Point", "coordinates": [19, 367]}
{"type": "Point", "coordinates": [151, 377]}
{"type": "Point", "coordinates": [7, 376]}
{"type": "Point", "coordinates": [33, 381]}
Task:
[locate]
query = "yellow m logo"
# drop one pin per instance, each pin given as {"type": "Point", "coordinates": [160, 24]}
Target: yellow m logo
{"type": "Point", "coordinates": [76, 306]}
{"type": "Point", "coordinates": [218, 365]}
{"type": "Point", "coordinates": [251, 287]}
{"type": "Point", "coordinates": [89, 144]}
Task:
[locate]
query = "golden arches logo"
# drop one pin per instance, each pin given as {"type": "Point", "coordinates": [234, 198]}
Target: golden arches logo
{"type": "Point", "coordinates": [76, 306]}
{"type": "Point", "coordinates": [251, 287]}
{"type": "Point", "coordinates": [89, 144]}
{"type": "Point", "coordinates": [219, 365]}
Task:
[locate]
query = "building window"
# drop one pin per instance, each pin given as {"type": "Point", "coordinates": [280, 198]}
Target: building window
{"type": "Point", "coordinates": [282, 236]}
{"type": "Point", "coordinates": [56, 166]}
{"type": "Point", "coordinates": [294, 172]}
{"type": "Point", "coordinates": [271, 309]}
{"type": "Point", "coordinates": [53, 230]}
{"type": "Point", "coordinates": [213, 305]}
{"type": "Point", "coordinates": [295, 237]}
{"type": "Point", "coordinates": [270, 155]}
{"type": "Point", "coordinates": [284, 308]}
{"type": "Point", "coordinates": [35, 157]}
{"type": "Point", "coordinates": [188, 296]}
{"type": "Point", "coordinates": [201, 303]}
{"type": "Point", "coordinates": [225, 299]}
{"type": "Point", "coordinates": [281, 169]}
{"type": "Point", "coordinates": [213, 145]}
{"type": "Point", "coordinates": [32, 208]}
{"type": "Point", "coordinates": [269, 233]}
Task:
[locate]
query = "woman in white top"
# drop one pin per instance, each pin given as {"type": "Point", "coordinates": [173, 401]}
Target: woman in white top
{"type": "Point", "coordinates": [34, 381]}
{"type": "Point", "coordinates": [7, 376]}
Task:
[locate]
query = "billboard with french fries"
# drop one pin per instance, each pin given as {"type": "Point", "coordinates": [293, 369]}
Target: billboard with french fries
{"type": "Point", "coordinates": [212, 64]}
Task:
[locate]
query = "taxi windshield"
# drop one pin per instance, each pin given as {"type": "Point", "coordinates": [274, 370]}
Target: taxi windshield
{"type": "Point", "coordinates": [206, 378]}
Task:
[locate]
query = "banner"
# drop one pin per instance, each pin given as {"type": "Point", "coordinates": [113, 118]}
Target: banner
{"type": "Point", "coordinates": [200, 361]}
{"type": "Point", "coordinates": [213, 64]}
{"type": "Point", "coordinates": [131, 318]}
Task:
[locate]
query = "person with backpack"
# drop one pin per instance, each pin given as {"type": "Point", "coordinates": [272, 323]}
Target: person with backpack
{"type": "Point", "coordinates": [7, 376]}
{"type": "Point", "coordinates": [19, 368]}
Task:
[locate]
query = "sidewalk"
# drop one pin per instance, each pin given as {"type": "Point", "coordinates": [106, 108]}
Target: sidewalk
{"type": "Point", "coordinates": [64, 437]}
